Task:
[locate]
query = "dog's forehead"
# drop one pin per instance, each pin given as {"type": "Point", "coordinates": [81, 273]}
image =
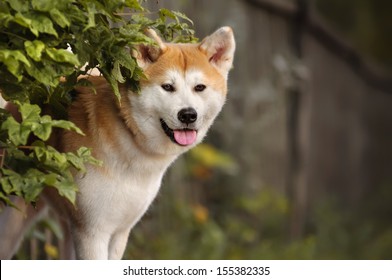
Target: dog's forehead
{"type": "Point", "coordinates": [186, 61]}
{"type": "Point", "coordinates": [192, 75]}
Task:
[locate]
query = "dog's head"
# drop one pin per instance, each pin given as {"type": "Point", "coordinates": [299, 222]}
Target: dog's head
{"type": "Point", "coordinates": [184, 90]}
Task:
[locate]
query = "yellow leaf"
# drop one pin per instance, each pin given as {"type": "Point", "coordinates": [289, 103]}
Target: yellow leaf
{"type": "Point", "coordinates": [211, 157]}
{"type": "Point", "coordinates": [200, 213]}
{"type": "Point", "coordinates": [51, 251]}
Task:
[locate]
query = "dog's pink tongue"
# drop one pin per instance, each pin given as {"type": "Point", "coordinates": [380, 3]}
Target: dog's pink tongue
{"type": "Point", "coordinates": [185, 137]}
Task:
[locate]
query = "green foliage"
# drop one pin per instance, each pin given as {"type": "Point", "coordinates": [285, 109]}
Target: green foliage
{"type": "Point", "coordinates": [26, 174]}
{"type": "Point", "coordinates": [38, 71]}
{"type": "Point", "coordinates": [32, 122]}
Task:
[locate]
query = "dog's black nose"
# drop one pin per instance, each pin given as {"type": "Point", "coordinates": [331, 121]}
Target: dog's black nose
{"type": "Point", "coordinates": [187, 115]}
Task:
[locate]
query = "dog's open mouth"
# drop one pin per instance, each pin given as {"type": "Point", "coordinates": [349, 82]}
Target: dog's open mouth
{"type": "Point", "coordinates": [183, 137]}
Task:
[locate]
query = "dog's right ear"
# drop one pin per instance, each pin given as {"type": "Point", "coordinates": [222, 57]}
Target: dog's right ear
{"type": "Point", "coordinates": [147, 54]}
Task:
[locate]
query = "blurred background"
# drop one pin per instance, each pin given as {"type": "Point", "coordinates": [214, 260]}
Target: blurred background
{"type": "Point", "coordinates": [299, 163]}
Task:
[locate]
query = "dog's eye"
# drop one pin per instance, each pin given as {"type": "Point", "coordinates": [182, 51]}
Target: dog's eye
{"type": "Point", "coordinates": [200, 87]}
{"type": "Point", "coordinates": [168, 87]}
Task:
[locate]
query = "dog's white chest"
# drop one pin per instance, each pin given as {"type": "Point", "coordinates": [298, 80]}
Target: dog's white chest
{"type": "Point", "coordinates": [116, 200]}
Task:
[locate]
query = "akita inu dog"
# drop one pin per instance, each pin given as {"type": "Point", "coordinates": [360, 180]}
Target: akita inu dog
{"type": "Point", "coordinates": [138, 138]}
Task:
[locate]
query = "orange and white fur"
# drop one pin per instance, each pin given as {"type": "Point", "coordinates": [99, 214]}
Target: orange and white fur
{"type": "Point", "coordinates": [138, 138]}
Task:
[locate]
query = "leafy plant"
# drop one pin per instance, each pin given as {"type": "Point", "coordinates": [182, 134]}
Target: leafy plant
{"type": "Point", "coordinates": [38, 73]}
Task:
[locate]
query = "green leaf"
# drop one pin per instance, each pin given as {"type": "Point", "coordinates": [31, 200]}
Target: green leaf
{"type": "Point", "coordinates": [11, 182]}
{"type": "Point", "coordinates": [18, 5]}
{"type": "Point", "coordinates": [125, 59]}
{"type": "Point", "coordinates": [67, 189]}
{"type": "Point", "coordinates": [85, 154]}
{"type": "Point", "coordinates": [36, 22]}
{"type": "Point", "coordinates": [50, 157]}
{"type": "Point", "coordinates": [91, 12]}
{"type": "Point", "coordinates": [34, 49]}
{"type": "Point", "coordinates": [11, 59]}
{"type": "Point", "coordinates": [182, 16]}
{"type": "Point", "coordinates": [116, 72]}
{"type": "Point", "coordinates": [40, 24]}
{"type": "Point", "coordinates": [210, 157]}
{"type": "Point", "coordinates": [113, 82]}
{"type": "Point", "coordinates": [43, 129]}
{"type": "Point", "coordinates": [17, 134]}
{"type": "Point", "coordinates": [33, 183]}
{"type": "Point", "coordinates": [5, 19]}
{"type": "Point", "coordinates": [76, 162]}
{"type": "Point", "coordinates": [59, 18]}
{"type": "Point", "coordinates": [29, 112]}
{"type": "Point", "coordinates": [23, 21]}
{"type": "Point", "coordinates": [50, 179]}
{"type": "Point", "coordinates": [43, 5]}
{"type": "Point", "coordinates": [13, 66]}
{"type": "Point", "coordinates": [61, 55]}
{"type": "Point", "coordinates": [66, 125]}
{"type": "Point", "coordinates": [163, 13]}
{"type": "Point", "coordinates": [45, 74]}
{"type": "Point", "coordinates": [134, 4]}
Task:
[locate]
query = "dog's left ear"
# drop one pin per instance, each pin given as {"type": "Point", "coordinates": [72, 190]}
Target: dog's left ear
{"type": "Point", "coordinates": [220, 47]}
{"type": "Point", "coordinates": [147, 54]}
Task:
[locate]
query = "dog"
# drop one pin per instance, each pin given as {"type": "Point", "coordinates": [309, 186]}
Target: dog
{"type": "Point", "coordinates": [136, 138]}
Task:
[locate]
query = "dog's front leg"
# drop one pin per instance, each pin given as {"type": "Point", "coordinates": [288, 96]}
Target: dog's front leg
{"type": "Point", "coordinates": [91, 245]}
{"type": "Point", "coordinates": [117, 244]}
